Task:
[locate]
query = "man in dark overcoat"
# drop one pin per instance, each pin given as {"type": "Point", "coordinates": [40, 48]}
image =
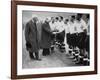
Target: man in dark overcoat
{"type": "Point", "coordinates": [32, 38]}
{"type": "Point", "coordinates": [46, 37]}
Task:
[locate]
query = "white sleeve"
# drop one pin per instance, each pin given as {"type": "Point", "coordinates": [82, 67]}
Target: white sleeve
{"type": "Point", "coordinates": [50, 24]}
{"type": "Point", "coordinates": [84, 24]}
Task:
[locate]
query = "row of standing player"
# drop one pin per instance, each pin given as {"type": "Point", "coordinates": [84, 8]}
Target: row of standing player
{"type": "Point", "coordinates": [77, 36]}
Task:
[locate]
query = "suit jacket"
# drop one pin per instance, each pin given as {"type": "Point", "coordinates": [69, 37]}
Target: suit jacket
{"type": "Point", "coordinates": [46, 35]}
{"type": "Point", "coordinates": [32, 36]}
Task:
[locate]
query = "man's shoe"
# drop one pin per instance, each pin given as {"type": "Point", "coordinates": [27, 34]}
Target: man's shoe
{"type": "Point", "coordinates": [31, 56]}
{"type": "Point", "coordinates": [38, 59]}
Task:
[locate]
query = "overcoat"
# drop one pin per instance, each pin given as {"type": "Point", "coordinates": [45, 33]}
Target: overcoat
{"type": "Point", "coordinates": [32, 37]}
{"type": "Point", "coordinates": [46, 35]}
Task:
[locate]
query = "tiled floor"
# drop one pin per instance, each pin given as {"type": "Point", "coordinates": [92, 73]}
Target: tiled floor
{"type": "Point", "coordinates": [56, 59]}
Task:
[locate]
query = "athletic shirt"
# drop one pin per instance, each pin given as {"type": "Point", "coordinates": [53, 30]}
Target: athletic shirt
{"type": "Point", "coordinates": [52, 26]}
{"type": "Point", "coordinates": [60, 26]}
{"type": "Point", "coordinates": [88, 27]}
{"type": "Point", "coordinates": [56, 25]}
{"type": "Point", "coordinates": [81, 26]}
{"type": "Point", "coordinates": [72, 27]}
{"type": "Point", "coordinates": [66, 26]}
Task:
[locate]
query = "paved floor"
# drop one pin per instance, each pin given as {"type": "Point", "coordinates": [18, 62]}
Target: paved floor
{"type": "Point", "coordinates": [56, 59]}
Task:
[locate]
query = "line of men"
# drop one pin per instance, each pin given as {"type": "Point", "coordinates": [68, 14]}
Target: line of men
{"type": "Point", "coordinates": [53, 31]}
{"type": "Point", "coordinates": [78, 39]}
{"type": "Point", "coordinates": [76, 32]}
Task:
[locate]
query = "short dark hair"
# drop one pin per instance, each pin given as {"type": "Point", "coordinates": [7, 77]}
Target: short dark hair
{"type": "Point", "coordinates": [61, 17]}
{"type": "Point", "coordinates": [73, 16]}
{"type": "Point", "coordinates": [57, 18]}
{"type": "Point", "coordinates": [66, 19]}
{"type": "Point", "coordinates": [88, 16]}
{"type": "Point", "coordinates": [79, 14]}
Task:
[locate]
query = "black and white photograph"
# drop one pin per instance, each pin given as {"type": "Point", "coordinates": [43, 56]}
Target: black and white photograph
{"type": "Point", "coordinates": [50, 40]}
{"type": "Point", "coordinates": [55, 39]}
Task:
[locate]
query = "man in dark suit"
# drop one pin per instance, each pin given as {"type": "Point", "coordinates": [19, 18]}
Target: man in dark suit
{"type": "Point", "coordinates": [31, 36]}
{"type": "Point", "coordinates": [46, 37]}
